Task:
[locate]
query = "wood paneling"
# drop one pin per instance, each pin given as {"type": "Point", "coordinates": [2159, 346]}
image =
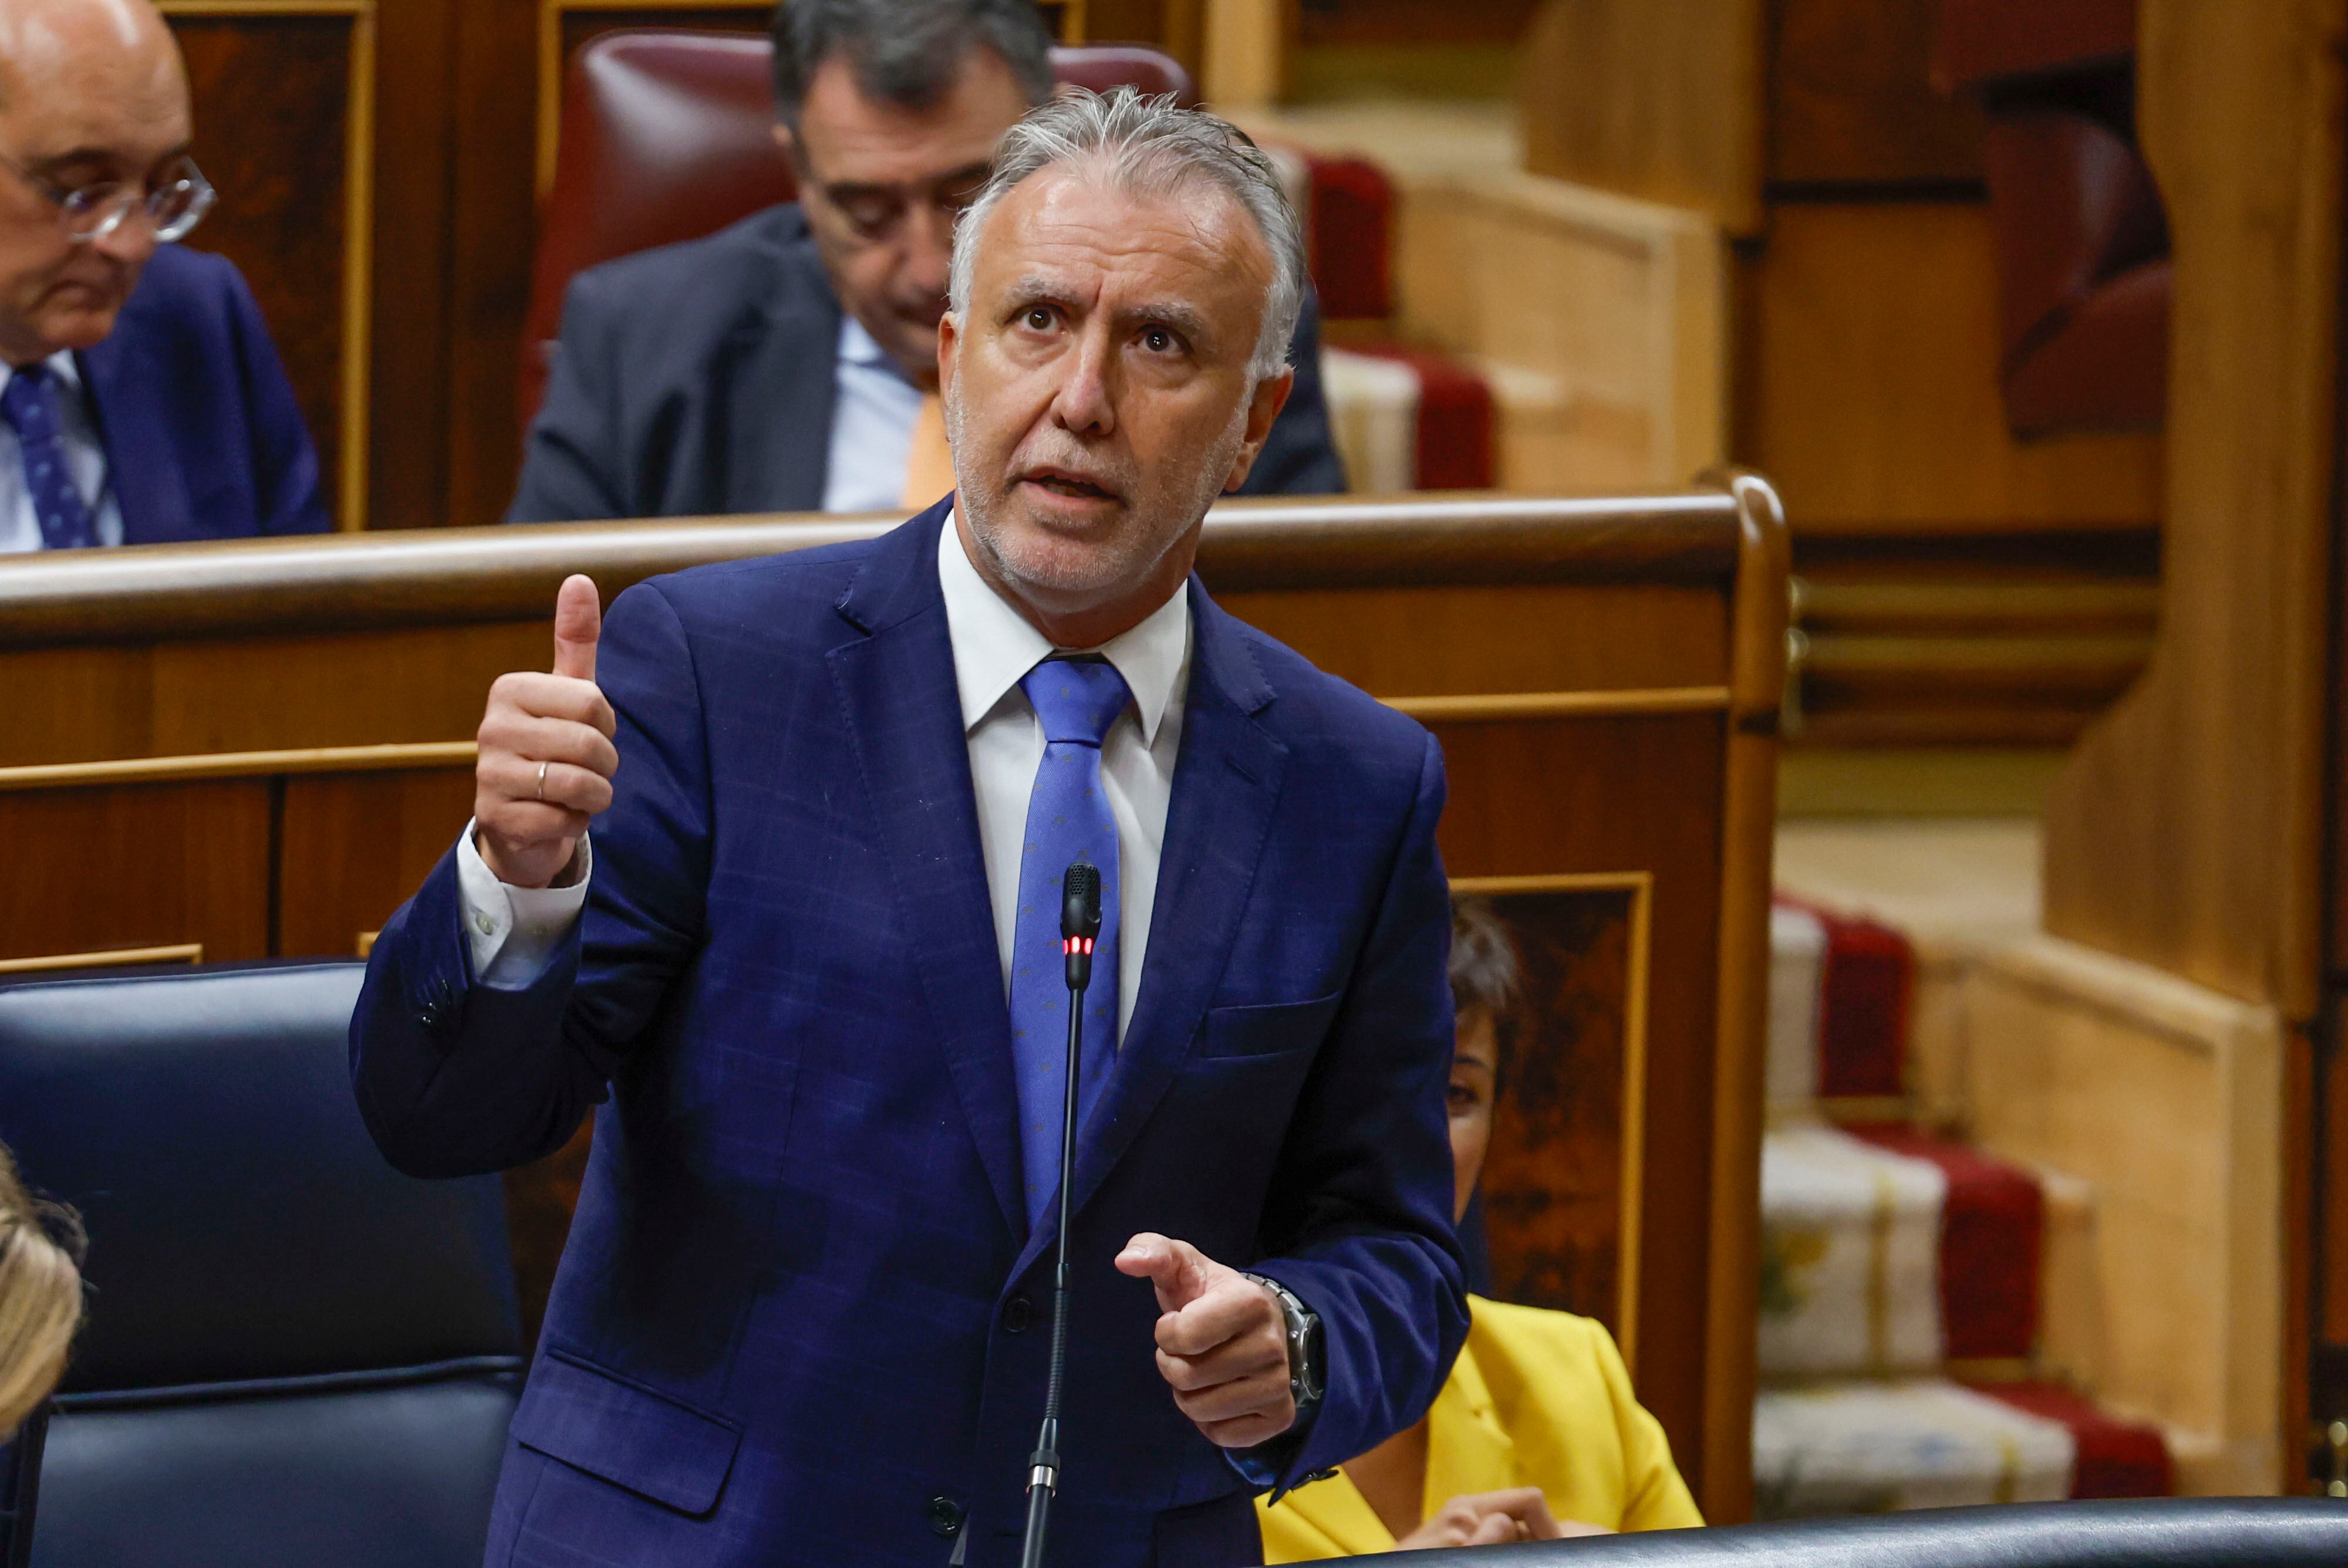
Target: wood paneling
{"type": "Point", "coordinates": [1599, 672]}
{"type": "Point", "coordinates": [271, 112]}
{"type": "Point", "coordinates": [1852, 101]}
{"type": "Point", "coordinates": [2184, 831]}
{"type": "Point", "coordinates": [138, 866]}
{"type": "Point", "coordinates": [353, 846]}
{"type": "Point", "coordinates": [1871, 389]}
{"type": "Point", "coordinates": [1661, 100]}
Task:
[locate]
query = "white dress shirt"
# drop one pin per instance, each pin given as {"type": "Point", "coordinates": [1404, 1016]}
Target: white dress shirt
{"type": "Point", "coordinates": [873, 411]}
{"type": "Point", "coordinates": [20, 525]}
{"type": "Point", "coordinates": [513, 931]}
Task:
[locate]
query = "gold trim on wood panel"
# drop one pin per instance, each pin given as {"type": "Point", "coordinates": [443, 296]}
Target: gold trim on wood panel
{"type": "Point", "coordinates": [1489, 707]}
{"type": "Point", "coordinates": [358, 228]}
{"type": "Point", "coordinates": [1640, 885]}
{"type": "Point", "coordinates": [179, 953]}
{"type": "Point", "coordinates": [240, 764]}
{"type": "Point", "coordinates": [365, 944]}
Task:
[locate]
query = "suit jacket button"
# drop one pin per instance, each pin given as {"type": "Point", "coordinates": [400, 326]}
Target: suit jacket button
{"type": "Point", "coordinates": [1017, 1314]}
{"type": "Point", "coordinates": [945, 1517]}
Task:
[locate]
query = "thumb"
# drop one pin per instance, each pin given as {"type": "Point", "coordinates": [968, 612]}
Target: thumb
{"type": "Point", "coordinates": [1176, 1268]}
{"type": "Point", "coordinates": [578, 622]}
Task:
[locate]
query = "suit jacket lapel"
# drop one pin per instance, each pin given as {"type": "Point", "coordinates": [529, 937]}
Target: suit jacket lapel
{"type": "Point", "coordinates": [126, 399]}
{"type": "Point", "coordinates": [903, 716]}
{"type": "Point", "coordinates": [780, 389]}
{"type": "Point", "coordinates": [1226, 783]}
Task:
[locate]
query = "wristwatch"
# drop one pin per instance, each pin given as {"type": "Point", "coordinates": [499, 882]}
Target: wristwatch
{"type": "Point", "coordinates": [1305, 1354]}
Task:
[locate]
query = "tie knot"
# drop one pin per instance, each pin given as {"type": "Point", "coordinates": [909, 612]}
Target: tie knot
{"type": "Point", "coordinates": [27, 389]}
{"type": "Point", "coordinates": [1075, 699]}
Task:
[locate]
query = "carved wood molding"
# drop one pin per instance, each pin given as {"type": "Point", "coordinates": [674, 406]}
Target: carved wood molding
{"type": "Point", "coordinates": [249, 587]}
{"type": "Point", "coordinates": [239, 764]}
{"type": "Point", "coordinates": [116, 958]}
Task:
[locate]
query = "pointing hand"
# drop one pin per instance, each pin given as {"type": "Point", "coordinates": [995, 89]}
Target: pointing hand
{"type": "Point", "coordinates": [546, 754]}
{"type": "Point", "coordinates": [1222, 1342]}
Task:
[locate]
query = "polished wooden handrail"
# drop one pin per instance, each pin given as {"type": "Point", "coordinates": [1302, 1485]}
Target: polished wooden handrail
{"type": "Point", "coordinates": [452, 576]}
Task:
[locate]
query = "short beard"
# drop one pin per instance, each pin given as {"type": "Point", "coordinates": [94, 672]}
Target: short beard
{"type": "Point", "coordinates": [1129, 556]}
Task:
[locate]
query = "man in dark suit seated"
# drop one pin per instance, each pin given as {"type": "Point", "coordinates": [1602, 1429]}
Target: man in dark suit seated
{"type": "Point", "coordinates": [140, 399]}
{"type": "Point", "coordinates": [789, 363]}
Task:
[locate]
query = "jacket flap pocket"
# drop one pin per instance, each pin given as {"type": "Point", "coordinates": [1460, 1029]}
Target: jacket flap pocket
{"type": "Point", "coordinates": [627, 1435]}
{"type": "Point", "coordinates": [1267, 1028]}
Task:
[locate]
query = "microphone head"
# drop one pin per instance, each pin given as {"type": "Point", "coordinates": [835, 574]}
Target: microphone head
{"type": "Point", "coordinates": [1080, 894]}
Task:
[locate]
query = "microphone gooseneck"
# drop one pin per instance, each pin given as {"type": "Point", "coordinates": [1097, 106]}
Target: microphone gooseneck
{"type": "Point", "coordinates": [1080, 924]}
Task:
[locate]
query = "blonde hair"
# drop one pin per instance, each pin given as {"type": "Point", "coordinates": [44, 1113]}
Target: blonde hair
{"type": "Point", "coordinates": [40, 1296]}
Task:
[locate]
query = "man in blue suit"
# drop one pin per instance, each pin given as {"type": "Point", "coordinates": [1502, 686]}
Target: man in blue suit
{"type": "Point", "coordinates": [141, 401]}
{"type": "Point", "coordinates": [809, 964]}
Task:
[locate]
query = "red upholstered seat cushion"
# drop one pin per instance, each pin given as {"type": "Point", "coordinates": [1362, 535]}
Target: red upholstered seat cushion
{"type": "Point", "coordinates": [1456, 449]}
{"type": "Point", "coordinates": [2117, 1458]}
{"type": "Point", "coordinates": [1992, 1225]}
{"type": "Point", "coordinates": [668, 135]}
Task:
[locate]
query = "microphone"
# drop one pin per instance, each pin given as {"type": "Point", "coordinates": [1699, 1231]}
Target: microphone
{"type": "Point", "coordinates": [1080, 922]}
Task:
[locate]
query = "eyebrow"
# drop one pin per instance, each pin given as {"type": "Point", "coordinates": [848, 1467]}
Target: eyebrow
{"type": "Point", "coordinates": [1183, 319]}
{"type": "Point", "coordinates": [848, 189]}
{"type": "Point", "coordinates": [96, 157]}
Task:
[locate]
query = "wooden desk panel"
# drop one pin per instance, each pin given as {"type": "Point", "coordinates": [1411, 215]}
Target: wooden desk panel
{"type": "Point", "coordinates": [263, 747]}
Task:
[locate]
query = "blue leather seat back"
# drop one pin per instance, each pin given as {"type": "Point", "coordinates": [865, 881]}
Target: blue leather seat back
{"type": "Point", "coordinates": [376, 1478]}
{"type": "Point", "coordinates": [294, 1354]}
{"type": "Point", "coordinates": [242, 1222]}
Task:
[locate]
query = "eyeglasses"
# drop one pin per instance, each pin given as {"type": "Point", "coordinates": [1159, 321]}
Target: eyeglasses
{"type": "Point", "coordinates": [175, 202]}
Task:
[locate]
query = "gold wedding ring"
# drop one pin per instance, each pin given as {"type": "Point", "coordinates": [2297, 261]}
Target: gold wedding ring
{"type": "Point", "coordinates": [541, 781]}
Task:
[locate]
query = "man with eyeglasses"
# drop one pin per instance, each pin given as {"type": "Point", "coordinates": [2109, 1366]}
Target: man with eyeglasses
{"type": "Point", "coordinates": [142, 400]}
{"type": "Point", "coordinates": [789, 363]}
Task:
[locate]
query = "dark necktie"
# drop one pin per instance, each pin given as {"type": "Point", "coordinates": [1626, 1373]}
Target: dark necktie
{"type": "Point", "coordinates": [1067, 815]}
{"type": "Point", "coordinates": [30, 407]}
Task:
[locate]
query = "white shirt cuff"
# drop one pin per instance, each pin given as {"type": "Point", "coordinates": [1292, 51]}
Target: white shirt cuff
{"type": "Point", "coordinates": [514, 931]}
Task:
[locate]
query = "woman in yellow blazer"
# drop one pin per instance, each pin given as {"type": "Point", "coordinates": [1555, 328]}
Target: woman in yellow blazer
{"type": "Point", "coordinates": [1536, 1434]}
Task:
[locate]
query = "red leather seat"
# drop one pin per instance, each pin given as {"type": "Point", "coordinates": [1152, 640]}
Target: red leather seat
{"type": "Point", "coordinates": [667, 135]}
{"type": "Point", "coordinates": [2083, 254]}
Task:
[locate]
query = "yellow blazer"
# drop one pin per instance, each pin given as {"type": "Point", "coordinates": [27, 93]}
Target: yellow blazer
{"type": "Point", "coordinates": [1536, 1399]}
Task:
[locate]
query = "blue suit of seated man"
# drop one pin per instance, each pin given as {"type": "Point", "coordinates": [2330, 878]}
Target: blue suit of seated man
{"type": "Point", "coordinates": [141, 401]}
{"type": "Point", "coordinates": [807, 970]}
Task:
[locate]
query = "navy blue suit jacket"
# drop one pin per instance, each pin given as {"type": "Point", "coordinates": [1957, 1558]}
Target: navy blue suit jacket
{"type": "Point", "coordinates": [697, 379]}
{"type": "Point", "coordinates": [203, 439]}
{"type": "Point", "coordinates": [800, 1300]}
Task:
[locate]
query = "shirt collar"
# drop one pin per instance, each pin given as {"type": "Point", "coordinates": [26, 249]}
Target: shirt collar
{"type": "Point", "coordinates": [857, 347]}
{"type": "Point", "coordinates": [63, 369]}
{"type": "Point", "coordinates": [994, 645]}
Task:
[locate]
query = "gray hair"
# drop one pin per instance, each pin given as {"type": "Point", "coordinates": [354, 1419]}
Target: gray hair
{"type": "Point", "coordinates": [1149, 145]}
{"type": "Point", "coordinates": [905, 51]}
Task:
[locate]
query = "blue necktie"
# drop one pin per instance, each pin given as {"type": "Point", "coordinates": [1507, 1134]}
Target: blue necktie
{"type": "Point", "coordinates": [1076, 701]}
{"type": "Point", "coordinates": [30, 407]}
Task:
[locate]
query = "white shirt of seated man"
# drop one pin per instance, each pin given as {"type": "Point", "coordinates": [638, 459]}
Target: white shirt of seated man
{"type": "Point", "coordinates": [20, 525]}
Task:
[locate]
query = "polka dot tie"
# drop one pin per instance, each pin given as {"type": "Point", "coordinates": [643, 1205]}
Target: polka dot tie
{"type": "Point", "coordinates": [1077, 701]}
{"type": "Point", "coordinates": [30, 407]}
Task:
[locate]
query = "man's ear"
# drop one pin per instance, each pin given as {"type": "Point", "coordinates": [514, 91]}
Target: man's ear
{"type": "Point", "coordinates": [1264, 409]}
{"type": "Point", "coordinates": [948, 340]}
{"type": "Point", "coordinates": [786, 144]}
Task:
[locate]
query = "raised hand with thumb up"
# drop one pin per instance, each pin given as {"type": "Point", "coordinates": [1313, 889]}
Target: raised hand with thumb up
{"type": "Point", "coordinates": [546, 756]}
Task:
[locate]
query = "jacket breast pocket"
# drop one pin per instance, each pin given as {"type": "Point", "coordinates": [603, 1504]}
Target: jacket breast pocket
{"type": "Point", "coordinates": [624, 1433]}
{"type": "Point", "coordinates": [1267, 1028]}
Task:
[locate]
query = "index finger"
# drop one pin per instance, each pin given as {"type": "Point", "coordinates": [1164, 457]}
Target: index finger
{"type": "Point", "coordinates": [578, 623]}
